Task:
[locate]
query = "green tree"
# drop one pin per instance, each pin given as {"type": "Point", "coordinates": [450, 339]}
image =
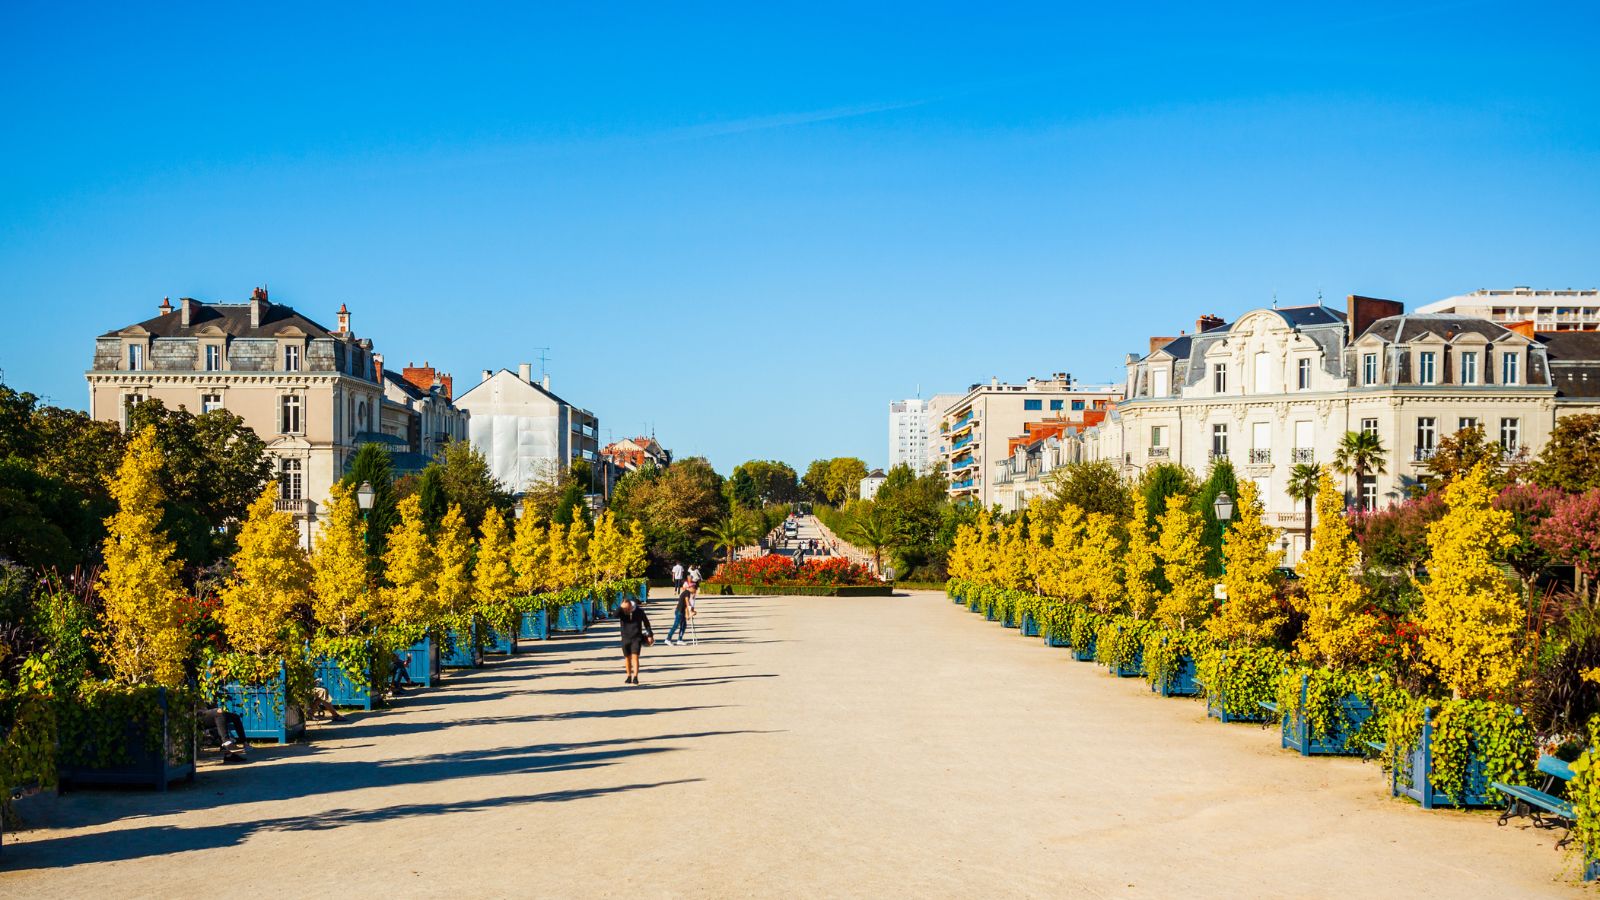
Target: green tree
{"type": "Point", "coordinates": [573, 506]}
{"type": "Point", "coordinates": [1571, 459]}
{"type": "Point", "coordinates": [673, 505]}
{"type": "Point", "coordinates": [874, 533]}
{"type": "Point", "coordinates": [775, 481]}
{"type": "Point", "coordinates": [1094, 487]}
{"type": "Point", "coordinates": [1459, 453]}
{"type": "Point", "coordinates": [1161, 481]}
{"type": "Point", "coordinates": [371, 465]}
{"type": "Point", "coordinates": [1304, 479]}
{"type": "Point", "coordinates": [432, 495]}
{"type": "Point", "coordinates": [1220, 480]}
{"type": "Point", "coordinates": [729, 534]}
{"type": "Point", "coordinates": [464, 474]}
{"type": "Point", "coordinates": [915, 507]}
{"type": "Point", "coordinates": [815, 481]}
{"type": "Point", "coordinates": [743, 490]}
{"type": "Point", "coordinates": [844, 479]}
{"type": "Point", "coordinates": [1360, 453]}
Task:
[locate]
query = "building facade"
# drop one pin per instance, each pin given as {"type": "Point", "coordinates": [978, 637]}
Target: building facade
{"type": "Point", "coordinates": [870, 484]}
{"type": "Point", "coordinates": [914, 431]}
{"type": "Point", "coordinates": [631, 454]}
{"type": "Point", "coordinates": [1548, 310]}
{"type": "Point", "coordinates": [526, 432]}
{"type": "Point", "coordinates": [309, 393]}
{"type": "Point", "coordinates": [419, 417]}
{"type": "Point", "coordinates": [976, 429]}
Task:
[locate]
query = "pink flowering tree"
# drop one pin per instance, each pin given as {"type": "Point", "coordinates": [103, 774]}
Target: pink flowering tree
{"type": "Point", "coordinates": [1571, 535]}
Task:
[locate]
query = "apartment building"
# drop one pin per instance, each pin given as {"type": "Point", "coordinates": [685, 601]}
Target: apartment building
{"type": "Point", "coordinates": [631, 454]}
{"type": "Point", "coordinates": [1280, 387]}
{"type": "Point", "coordinates": [1548, 310]}
{"type": "Point", "coordinates": [308, 392]}
{"type": "Point", "coordinates": [418, 418]}
{"type": "Point", "coordinates": [526, 432]}
{"type": "Point", "coordinates": [914, 431]}
{"type": "Point", "coordinates": [1024, 474]}
{"type": "Point", "coordinates": [976, 429]}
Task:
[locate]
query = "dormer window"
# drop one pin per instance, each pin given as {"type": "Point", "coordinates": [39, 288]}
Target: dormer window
{"type": "Point", "coordinates": [213, 358]}
{"type": "Point", "coordinates": [1219, 378]}
{"type": "Point", "coordinates": [1469, 367]}
{"type": "Point", "coordinates": [291, 358]}
{"type": "Point", "coordinates": [1158, 382]}
{"type": "Point", "coordinates": [1510, 368]}
{"type": "Point", "coordinates": [1426, 370]}
{"type": "Point", "coordinates": [1303, 378]}
{"type": "Point", "coordinates": [1369, 368]}
{"type": "Point", "coordinates": [135, 357]}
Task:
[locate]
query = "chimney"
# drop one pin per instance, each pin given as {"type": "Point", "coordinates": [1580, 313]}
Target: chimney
{"type": "Point", "coordinates": [1523, 328]}
{"type": "Point", "coordinates": [166, 306]}
{"type": "Point", "coordinates": [187, 313]}
{"type": "Point", "coordinates": [448, 383]}
{"type": "Point", "coordinates": [1206, 323]}
{"type": "Point", "coordinates": [422, 377]}
{"type": "Point", "coordinates": [258, 307]}
{"type": "Point", "coordinates": [1156, 343]}
{"type": "Point", "coordinates": [545, 381]}
{"type": "Point", "coordinates": [344, 319]}
{"type": "Point", "coordinates": [1363, 311]}
{"type": "Point", "coordinates": [488, 374]}
{"type": "Point", "coordinates": [525, 372]}
{"type": "Point", "coordinates": [377, 367]}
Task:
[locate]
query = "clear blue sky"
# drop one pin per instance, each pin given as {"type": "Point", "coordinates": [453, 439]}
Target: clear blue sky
{"type": "Point", "coordinates": [754, 227]}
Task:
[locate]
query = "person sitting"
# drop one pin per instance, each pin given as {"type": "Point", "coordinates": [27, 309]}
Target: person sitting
{"type": "Point", "coordinates": [322, 703]}
{"type": "Point", "coordinates": [402, 672]}
{"type": "Point", "coordinates": [225, 724]}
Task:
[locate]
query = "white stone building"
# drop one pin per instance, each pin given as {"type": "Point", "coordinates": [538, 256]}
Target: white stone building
{"type": "Point", "coordinates": [1548, 310]}
{"type": "Point", "coordinates": [526, 432]}
{"type": "Point", "coordinates": [871, 483]}
{"type": "Point", "coordinates": [914, 431]}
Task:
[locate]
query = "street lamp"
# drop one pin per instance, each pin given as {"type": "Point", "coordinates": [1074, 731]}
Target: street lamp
{"type": "Point", "coordinates": [365, 495]}
{"type": "Point", "coordinates": [517, 511]}
{"type": "Point", "coordinates": [1223, 507]}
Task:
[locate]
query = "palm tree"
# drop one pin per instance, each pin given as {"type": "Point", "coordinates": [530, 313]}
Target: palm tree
{"type": "Point", "coordinates": [1360, 453]}
{"type": "Point", "coordinates": [875, 534]}
{"type": "Point", "coordinates": [1303, 482]}
{"type": "Point", "coordinates": [730, 534]}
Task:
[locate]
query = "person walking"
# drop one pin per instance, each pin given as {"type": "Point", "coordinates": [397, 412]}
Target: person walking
{"type": "Point", "coordinates": [636, 635]}
{"type": "Point", "coordinates": [694, 576]}
{"type": "Point", "coordinates": [677, 577]}
{"type": "Point", "coordinates": [683, 612]}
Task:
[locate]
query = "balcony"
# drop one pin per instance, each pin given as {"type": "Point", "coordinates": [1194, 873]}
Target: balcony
{"type": "Point", "coordinates": [961, 442]}
{"type": "Point", "coordinates": [1423, 454]}
{"type": "Point", "coordinates": [1216, 454]}
{"type": "Point", "coordinates": [962, 485]}
{"type": "Point", "coordinates": [1261, 456]}
{"type": "Point", "coordinates": [1286, 520]}
{"type": "Point", "coordinates": [1305, 455]}
{"type": "Point", "coordinates": [962, 464]}
{"type": "Point", "coordinates": [1158, 452]}
{"type": "Point", "coordinates": [962, 422]}
{"type": "Point", "coordinates": [293, 507]}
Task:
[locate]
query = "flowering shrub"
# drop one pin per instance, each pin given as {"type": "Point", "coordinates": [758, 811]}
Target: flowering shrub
{"type": "Point", "coordinates": [775, 569]}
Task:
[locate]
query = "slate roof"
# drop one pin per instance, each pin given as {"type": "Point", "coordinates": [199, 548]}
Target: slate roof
{"type": "Point", "coordinates": [232, 318]}
{"type": "Point", "coordinates": [1315, 314]}
{"type": "Point", "coordinates": [406, 387]}
{"type": "Point", "coordinates": [1405, 328]}
{"type": "Point", "coordinates": [1574, 362]}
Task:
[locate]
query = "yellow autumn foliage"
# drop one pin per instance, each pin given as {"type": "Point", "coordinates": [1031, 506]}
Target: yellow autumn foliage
{"type": "Point", "coordinates": [412, 568]}
{"type": "Point", "coordinates": [530, 555]}
{"type": "Point", "coordinates": [344, 601]}
{"type": "Point", "coordinates": [1251, 616]}
{"type": "Point", "coordinates": [493, 579]}
{"type": "Point", "coordinates": [270, 578]}
{"type": "Point", "coordinates": [1139, 563]}
{"type": "Point", "coordinates": [453, 585]}
{"type": "Point", "coordinates": [1189, 598]}
{"type": "Point", "coordinates": [635, 556]}
{"type": "Point", "coordinates": [1339, 631]}
{"type": "Point", "coordinates": [1099, 563]}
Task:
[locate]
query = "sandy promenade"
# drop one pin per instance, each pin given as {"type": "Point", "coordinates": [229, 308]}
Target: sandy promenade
{"type": "Point", "coordinates": [806, 747]}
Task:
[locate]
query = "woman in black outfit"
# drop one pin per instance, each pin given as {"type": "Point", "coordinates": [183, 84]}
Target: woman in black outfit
{"type": "Point", "coordinates": [636, 635]}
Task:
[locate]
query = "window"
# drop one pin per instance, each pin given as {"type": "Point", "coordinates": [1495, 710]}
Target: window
{"type": "Point", "coordinates": [1263, 372]}
{"type": "Point", "coordinates": [1302, 436]}
{"type": "Point", "coordinates": [1427, 433]}
{"type": "Point", "coordinates": [1056, 405]}
{"type": "Point", "coordinates": [1465, 422]}
{"type": "Point", "coordinates": [129, 403]}
{"type": "Point", "coordinates": [1369, 368]}
{"type": "Point", "coordinates": [1219, 440]}
{"type": "Point", "coordinates": [1077, 406]}
{"type": "Point", "coordinates": [1219, 378]}
{"type": "Point", "coordinates": [135, 357]}
{"type": "Point", "coordinates": [289, 479]}
{"type": "Point", "coordinates": [1469, 367]}
{"type": "Point", "coordinates": [1158, 435]}
{"type": "Point", "coordinates": [289, 418]}
{"type": "Point", "coordinates": [1304, 368]}
{"type": "Point", "coordinates": [1261, 435]}
{"type": "Point", "coordinates": [1425, 367]}
{"type": "Point", "coordinates": [291, 359]}
{"type": "Point", "coordinates": [1510, 435]}
{"type": "Point", "coordinates": [210, 402]}
{"type": "Point", "coordinates": [213, 358]}
{"type": "Point", "coordinates": [1031, 405]}
{"type": "Point", "coordinates": [1158, 383]}
{"type": "Point", "coordinates": [1508, 368]}
{"type": "Point", "coordinates": [1369, 493]}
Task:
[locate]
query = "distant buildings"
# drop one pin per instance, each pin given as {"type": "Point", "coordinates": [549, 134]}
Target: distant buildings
{"type": "Point", "coordinates": [871, 483]}
{"type": "Point", "coordinates": [312, 395]}
{"type": "Point", "coordinates": [631, 454]}
{"type": "Point", "coordinates": [526, 432]}
{"type": "Point", "coordinates": [914, 431]}
{"type": "Point", "coordinates": [418, 417]}
{"type": "Point", "coordinates": [1547, 310]}
{"type": "Point", "coordinates": [976, 429]}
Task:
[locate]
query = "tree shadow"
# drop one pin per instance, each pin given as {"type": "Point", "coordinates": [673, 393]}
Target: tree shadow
{"type": "Point", "coordinates": [392, 727]}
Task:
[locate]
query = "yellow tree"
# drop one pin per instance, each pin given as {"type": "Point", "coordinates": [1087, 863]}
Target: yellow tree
{"type": "Point", "coordinates": [1251, 615]}
{"type": "Point", "coordinates": [1189, 596]}
{"type": "Point", "coordinates": [578, 540]}
{"type": "Point", "coordinates": [493, 579]}
{"type": "Point", "coordinates": [270, 578]}
{"type": "Point", "coordinates": [961, 552]}
{"type": "Point", "coordinates": [143, 639]}
{"type": "Point", "coordinates": [453, 587]}
{"type": "Point", "coordinates": [561, 570]}
{"type": "Point", "coordinates": [412, 566]}
{"type": "Point", "coordinates": [1011, 557]}
{"type": "Point", "coordinates": [605, 548]}
{"type": "Point", "coordinates": [530, 555]}
{"type": "Point", "coordinates": [1062, 555]}
{"type": "Point", "coordinates": [983, 547]}
{"type": "Point", "coordinates": [1339, 630]}
{"type": "Point", "coordinates": [1472, 614]}
{"type": "Point", "coordinates": [635, 557]}
{"type": "Point", "coordinates": [1099, 568]}
{"type": "Point", "coordinates": [1139, 563]}
{"type": "Point", "coordinates": [343, 599]}
{"type": "Point", "coordinates": [1038, 556]}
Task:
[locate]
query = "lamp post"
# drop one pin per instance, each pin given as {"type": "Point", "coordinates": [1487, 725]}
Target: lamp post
{"type": "Point", "coordinates": [1223, 507]}
{"type": "Point", "coordinates": [364, 497]}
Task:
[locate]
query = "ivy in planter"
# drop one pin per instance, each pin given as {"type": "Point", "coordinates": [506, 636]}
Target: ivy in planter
{"type": "Point", "coordinates": [1463, 730]}
{"type": "Point", "coordinates": [28, 748]}
{"type": "Point", "coordinates": [1055, 617]}
{"type": "Point", "coordinates": [1164, 650]}
{"type": "Point", "coordinates": [1241, 676]}
{"type": "Point", "coordinates": [1120, 640]}
{"type": "Point", "coordinates": [1085, 624]}
{"type": "Point", "coordinates": [1583, 792]}
{"type": "Point", "coordinates": [1325, 692]}
{"type": "Point", "coordinates": [92, 726]}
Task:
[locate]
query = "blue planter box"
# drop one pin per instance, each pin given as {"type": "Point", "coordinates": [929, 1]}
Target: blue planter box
{"type": "Point", "coordinates": [461, 651]}
{"type": "Point", "coordinates": [342, 689]}
{"type": "Point", "coordinates": [1010, 620]}
{"type": "Point", "coordinates": [990, 615]}
{"type": "Point", "coordinates": [1216, 710]}
{"type": "Point", "coordinates": [1029, 627]}
{"type": "Point", "coordinates": [1416, 766]}
{"type": "Point", "coordinates": [264, 709]}
{"type": "Point", "coordinates": [1353, 713]}
{"type": "Point", "coordinates": [1084, 654]}
{"type": "Point", "coordinates": [157, 768]}
{"type": "Point", "coordinates": [423, 663]}
{"type": "Point", "coordinates": [501, 642]}
{"type": "Point", "coordinates": [1057, 640]}
{"type": "Point", "coordinates": [1183, 682]}
{"type": "Point", "coordinates": [570, 618]}
{"type": "Point", "coordinates": [535, 626]}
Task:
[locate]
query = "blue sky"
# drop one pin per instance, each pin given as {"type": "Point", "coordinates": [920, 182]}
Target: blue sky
{"type": "Point", "coordinates": [751, 227]}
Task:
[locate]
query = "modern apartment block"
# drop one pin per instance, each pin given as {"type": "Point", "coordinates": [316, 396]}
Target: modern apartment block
{"type": "Point", "coordinates": [976, 429]}
{"type": "Point", "coordinates": [1548, 310]}
{"type": "Point", "coordinates": [527, 432]}
{"type": "Point", "coordinates": [1280, 387]}
{"type": "Point", "coordinates": [311, 394]}
{"type": "Point", "coordinates": [914, 431]}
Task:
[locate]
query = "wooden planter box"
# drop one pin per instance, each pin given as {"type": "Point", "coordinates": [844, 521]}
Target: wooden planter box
{"type": "Point", "coordinates": [1416, 766]}
{"type": "Point", "coordinates": [354, 693]}
{"type": "Point", "coordinates": [1086, 653]}
{"type": "Point", "coordinates": [1030, 626]}
{"type": "Point", "coordinates": [535, 626]}
{"type": "Point", "coordinates": [141, 765]}
{"type": "Point", "coordinates": [1353, 713]}
{"type": "Point", "coordinates": [1133, 669]}
{"type": "Point", "coordinates": [1010, 620]}
{"type": "Point", "coordinates": [423, 662]}
{"type": "Point", "coordinates": [500, 642]}
{"type": "Point", "coordinates": [1183, 683]}
{"type": "Point", "coordinates": [570, 618]}
{"type": "Point", "coordinates": [597, 608]}
{"type": "Point", "coordinates": [461, 651]}
{"type": "Point", "coordinates": [264, 709]}
{"type": "Point", "coordinates": [1216, 708]}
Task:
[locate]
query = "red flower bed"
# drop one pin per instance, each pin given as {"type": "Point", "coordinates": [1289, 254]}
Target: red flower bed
{"type": "Point", "coordinates": [774, 569]}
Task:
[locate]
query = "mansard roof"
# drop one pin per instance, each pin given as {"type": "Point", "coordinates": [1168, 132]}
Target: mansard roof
{"type": "Point", "coordinates": [232, 319]}
{"type": "Point", "coordinates": [1411, 326]}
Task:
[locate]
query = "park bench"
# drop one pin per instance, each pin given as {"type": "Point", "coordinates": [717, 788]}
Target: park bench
{"type": "Point", "coordinates": [1546, 809]}
{"type": "Point", "coordinates": [1271, 708]}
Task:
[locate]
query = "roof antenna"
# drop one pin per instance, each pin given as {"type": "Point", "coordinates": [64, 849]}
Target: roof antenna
{"type": "Point", "coordinates": [1274, 299]}
{"type": "Point", "coordinates": [544, 356]}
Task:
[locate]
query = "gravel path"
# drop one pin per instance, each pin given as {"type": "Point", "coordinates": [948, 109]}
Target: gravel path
{"type": "Point", "coordinates": [806, 747]}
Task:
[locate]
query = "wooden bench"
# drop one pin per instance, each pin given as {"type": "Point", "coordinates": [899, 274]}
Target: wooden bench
{"type": "Point", "coordinates": [1271, 708]}
{"type": "Point", "coordinates": [1546, 809]}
